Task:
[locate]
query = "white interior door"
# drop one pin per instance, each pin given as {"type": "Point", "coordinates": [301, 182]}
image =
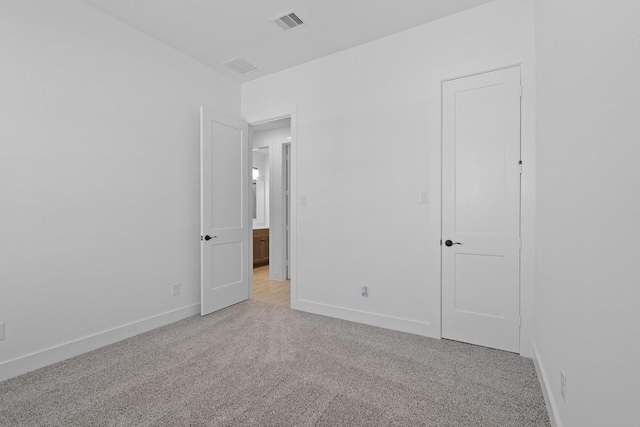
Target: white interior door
{"type": "Point", "coordinates": [481, 209]}
{"type": "Point", "coordinates": [225, 222]}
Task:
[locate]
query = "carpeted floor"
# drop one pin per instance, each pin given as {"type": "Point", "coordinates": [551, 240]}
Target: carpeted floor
{"type": "Point", "coordinates": [264, 365]}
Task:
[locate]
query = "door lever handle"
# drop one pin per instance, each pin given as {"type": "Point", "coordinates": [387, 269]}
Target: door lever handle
{"type": "Point", "coordinates": [450, 243]}
{"type": "Point", "coordinates": [207, 237]}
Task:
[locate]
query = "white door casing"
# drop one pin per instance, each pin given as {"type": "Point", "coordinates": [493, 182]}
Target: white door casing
{"type": "Point", "coordinates": [224, 218]}
{"type": "Point", "coordinates": [287, 194]}
{"type": "Point", "coordinates": [481, 209]}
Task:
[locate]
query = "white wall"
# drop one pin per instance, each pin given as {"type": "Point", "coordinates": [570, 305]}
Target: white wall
{"type": "Point", "coordinates": [99, 180]}
{"type": "Point", "coordinates": [261, 161]}
{"type": "Point", "coordinates": [266, 138]}
{"type": "Point", "coordinates": [588, 208]}
{"type": "Point", "coordinates": [363, 151]}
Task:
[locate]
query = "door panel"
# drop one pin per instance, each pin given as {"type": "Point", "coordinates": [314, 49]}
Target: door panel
{"type": "Point", "coordinates": [481, 209]}
{"type": "Point", "coordinates": [224, 217]}
{"type": "Point", "coordinates": [479, 178]}
{"type": "Point", "coordinates": [475, 278]}
{"type": "Point", "coordinates": [226, 264]}
{"type": "Point", "coordinates": [226, 176]}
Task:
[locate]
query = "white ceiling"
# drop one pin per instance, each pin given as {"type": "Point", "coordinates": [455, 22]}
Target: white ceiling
{"type": "Point", "coordinates": [215, 31]}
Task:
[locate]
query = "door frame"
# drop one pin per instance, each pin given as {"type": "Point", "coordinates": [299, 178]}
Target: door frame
{"type": "Point", "coordinates": [527, 188]}
{"type": "Point", "coordinates": [286, 173]}
{"type": "Point", "coordinates": [267, 116]}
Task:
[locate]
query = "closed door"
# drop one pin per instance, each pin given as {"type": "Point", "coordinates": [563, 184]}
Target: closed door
{"type": "Point", "coordinates": [481, 209]}
{"type": "Point", "coordinates": [225, 219]}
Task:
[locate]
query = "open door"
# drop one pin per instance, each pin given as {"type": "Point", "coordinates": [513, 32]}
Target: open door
{"type": "Point", "coordinates": [224, 221]}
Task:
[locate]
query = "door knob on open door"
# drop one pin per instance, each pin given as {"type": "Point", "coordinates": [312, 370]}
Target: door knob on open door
{"type": "Point", "coordinates": [450, 243]}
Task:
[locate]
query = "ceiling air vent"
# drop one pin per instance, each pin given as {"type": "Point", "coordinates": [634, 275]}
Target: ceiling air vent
{"type": "Point", "coordinates": [240, 65]}
{"type": "Point", "coordinates": [288, 21]}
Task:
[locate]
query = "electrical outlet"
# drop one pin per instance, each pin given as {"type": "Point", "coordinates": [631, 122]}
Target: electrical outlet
{"type": "Point", "coordinates": [1, 331]}
{"type": "Point", "coordinates": [176, 289]}
{"type": "Point", "coordinates": [423, 197]}
{"type": "Point", "coordinates": [364, 291]}
{"type": "Point", "coordinates": [563, 386]}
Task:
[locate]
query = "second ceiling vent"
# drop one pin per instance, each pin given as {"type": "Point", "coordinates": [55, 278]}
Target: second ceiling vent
{"type": "Point", "coordinates": [240, 65]}
{"type": "Point", "coordinates": [288, 21]}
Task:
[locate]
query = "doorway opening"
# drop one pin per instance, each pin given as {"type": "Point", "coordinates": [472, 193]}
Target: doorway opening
{"type": "Point", "coordinates": [270, 142]}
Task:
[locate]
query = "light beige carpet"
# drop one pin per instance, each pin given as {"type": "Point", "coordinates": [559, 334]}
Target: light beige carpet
{"type": "Point", "coordinates": [256, 364]}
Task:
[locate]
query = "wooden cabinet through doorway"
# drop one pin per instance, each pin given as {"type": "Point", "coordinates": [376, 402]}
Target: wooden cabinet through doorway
{"type": "Point", "coordinates": [260, 247]}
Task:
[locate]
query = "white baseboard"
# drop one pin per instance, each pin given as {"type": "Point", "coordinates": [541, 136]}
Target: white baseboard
{"type": "Point", "coordinates": [380, 320]}
{"type": "Point", "coordinates": [21, 365]}
{"type": "Point", "coordinates": [550, 402]}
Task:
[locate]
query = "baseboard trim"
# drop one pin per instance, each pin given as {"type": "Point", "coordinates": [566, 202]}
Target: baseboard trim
{"type": "Point", "coordinates": [549, 401]}
{"type": "Point", "coordinates": [374, 319]}
{"type": "Point", "coordinates": [40, 359]}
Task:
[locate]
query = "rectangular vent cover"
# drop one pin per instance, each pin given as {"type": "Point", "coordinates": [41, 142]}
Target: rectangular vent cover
{"type": "Point", "coordinates": [240, 65]}
{"type": "Point", "coordinates": [288, 21]}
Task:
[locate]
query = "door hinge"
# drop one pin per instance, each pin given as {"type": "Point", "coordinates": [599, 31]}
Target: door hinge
{"type": "Point", "coordinates": [520, 164]}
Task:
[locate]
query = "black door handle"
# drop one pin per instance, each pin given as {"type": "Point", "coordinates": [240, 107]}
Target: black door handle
{"type": "Point", "coordinates": [450, 243]}
{"type": "Point", "coordinates": [207, 237]}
